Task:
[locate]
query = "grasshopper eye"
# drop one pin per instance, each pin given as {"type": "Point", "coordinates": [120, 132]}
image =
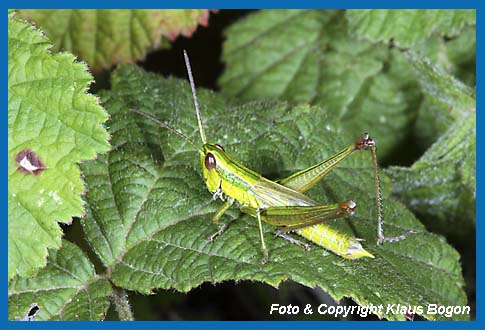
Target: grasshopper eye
{"type": "Point", "coordinates": [218, 146]}
{"type": "Point", "coordinates": [210, 161]}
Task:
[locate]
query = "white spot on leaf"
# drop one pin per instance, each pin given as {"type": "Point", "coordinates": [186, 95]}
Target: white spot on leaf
{"type": "Point", "coordinates": [55, 197]}
{"type": "Point", "coordinates": [27, 165]}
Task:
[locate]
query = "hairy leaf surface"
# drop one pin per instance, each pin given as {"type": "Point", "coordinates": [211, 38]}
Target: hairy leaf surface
{"type": "Point", "coordinates": [149, 212]}
{"type": "Point", "coordinates": [67, 289]}
{"type": "Point", "coordinates": [386, 24]}
{"type": "Point", "coordinates": [442, 182]}
{"type": "Point", "coordinates": [53, 124]}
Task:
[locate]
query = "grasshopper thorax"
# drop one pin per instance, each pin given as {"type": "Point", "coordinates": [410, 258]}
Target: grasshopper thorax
{"type": "Point", "coordinates": [212, 158]}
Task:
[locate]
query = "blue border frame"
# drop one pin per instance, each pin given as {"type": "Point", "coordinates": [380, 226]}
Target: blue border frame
{"type": "Point", "coordinates": [250, 4]}
{"type": "Point", "coordinates": [239, 4]}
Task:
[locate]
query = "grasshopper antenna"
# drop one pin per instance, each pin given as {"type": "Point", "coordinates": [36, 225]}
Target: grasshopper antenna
{"type": "Point", "coordinates": [165, 125]}
{"type": "Point", "coordinates": [196, 103]}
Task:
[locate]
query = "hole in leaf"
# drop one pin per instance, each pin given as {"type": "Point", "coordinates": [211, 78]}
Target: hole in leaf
{"type": "Point", "coordinates": [29, 162]}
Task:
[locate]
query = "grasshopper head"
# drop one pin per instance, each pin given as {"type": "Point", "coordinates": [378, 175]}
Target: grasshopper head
{"type": "Point", "coordinates": [212, 159]}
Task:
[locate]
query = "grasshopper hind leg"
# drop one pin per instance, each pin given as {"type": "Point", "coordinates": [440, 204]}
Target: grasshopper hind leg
{"type": "Point", "coordinates": [292, 240]}
{"type": "Point", "coordinates": [365, 142]}
{"type": "Point", "coordinates": [393, 239]}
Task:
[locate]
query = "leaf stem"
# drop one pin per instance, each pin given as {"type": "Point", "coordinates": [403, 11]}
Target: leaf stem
{"type": "Point", "coordinates": [122, 305]}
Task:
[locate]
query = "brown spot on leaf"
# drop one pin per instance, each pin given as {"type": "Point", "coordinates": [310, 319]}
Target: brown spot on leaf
{"type": "Point", "coordinates": [29, 162]}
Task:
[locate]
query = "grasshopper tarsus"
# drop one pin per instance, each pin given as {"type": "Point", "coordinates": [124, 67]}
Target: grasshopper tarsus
{"type": "Point", "coordinates": [221, 229]}
{"type": "Point", "coordinates": [281, 233]}
{"type": "Point", "coordinates": [381, 240]}
{"type": "Point", "coordinates": [265, 256]}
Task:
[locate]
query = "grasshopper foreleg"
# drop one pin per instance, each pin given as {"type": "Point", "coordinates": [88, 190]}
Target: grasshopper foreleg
{"type": "Point", "coordinates": [217, 216]}
{"type": "Point", "coordinates": [219, 194]}
{"type": "Point", "coordinates": [222, 228]}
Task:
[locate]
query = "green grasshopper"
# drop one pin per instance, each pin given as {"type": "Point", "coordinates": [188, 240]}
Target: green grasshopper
{"type": "Point", "coordinates": [282, 203]}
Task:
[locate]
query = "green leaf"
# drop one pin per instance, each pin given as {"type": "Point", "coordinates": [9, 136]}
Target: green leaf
{"type": "Point", "coordinates": [67, 289]}
{"type": "Point", "coordinates": [457, 97]}
{"type": "Point", "coordinates": [432, 122]}
{"type": "Point", "coordinates": [106, 37]}
{"type": "Point", "coordinates": [436, 61]}
{"type": "Point", "coordinates": [457, 56]}
{"type": "Point", "coordinates": [149, 212]}
{"type": "Point", "coordinates": [442, 182]}
{"type": "Point", "coordinates": [309, 56]}
{"type": "Point", "coordinates": [446, 37]}
{"type": "Point", "coordinates": [461, 52]}
{"type": "Point", "coordinates": [386, 24]}
{"type": "Point", "coordinates": [53, 124]}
